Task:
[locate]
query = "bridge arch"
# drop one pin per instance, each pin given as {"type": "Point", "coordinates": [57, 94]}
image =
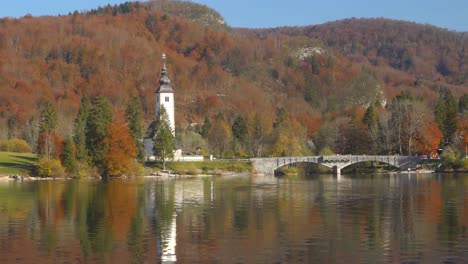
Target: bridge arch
{"type": "Point", "coordinates": [315, 166]}
{"type": "Point", "coordinates": [374, 163]}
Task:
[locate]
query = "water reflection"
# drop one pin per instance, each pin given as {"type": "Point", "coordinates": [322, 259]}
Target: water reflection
{"type": "Point", "coordinates": [366, 218]}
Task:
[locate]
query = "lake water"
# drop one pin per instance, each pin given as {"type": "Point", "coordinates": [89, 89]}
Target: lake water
{"type": "Point", "coordinates": [244, 219]}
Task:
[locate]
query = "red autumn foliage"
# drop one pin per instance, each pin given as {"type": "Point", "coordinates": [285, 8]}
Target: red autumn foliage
{"type": "Point", "coordinates": [121, 150]}
{"type": "Point", "coordinates": [115, 52]}
{"type": "Point", "coordinates": [428, 138]}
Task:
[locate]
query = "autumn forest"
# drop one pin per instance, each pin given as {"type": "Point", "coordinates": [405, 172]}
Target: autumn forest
{"type": "Point", "coordinates": [360, 86]}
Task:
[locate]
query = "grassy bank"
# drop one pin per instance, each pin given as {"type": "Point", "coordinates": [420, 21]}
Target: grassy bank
{"type": "Point", "coordinates": [204, 167]}
{"type": "Point", "coordinates": [16, 163]}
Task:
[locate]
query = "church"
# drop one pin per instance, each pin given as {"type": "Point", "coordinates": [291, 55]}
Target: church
{"type": "Point", "coordinates": [165, 98]}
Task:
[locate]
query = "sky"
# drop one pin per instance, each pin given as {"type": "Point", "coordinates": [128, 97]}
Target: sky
{"type": "Point", "coordinates": [450, 14]}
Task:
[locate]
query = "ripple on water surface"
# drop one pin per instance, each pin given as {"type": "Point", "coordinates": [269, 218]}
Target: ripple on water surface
{"type": "Point", "coordinates": [259, 219]}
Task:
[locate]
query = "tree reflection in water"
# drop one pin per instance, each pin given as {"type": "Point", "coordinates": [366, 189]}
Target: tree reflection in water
{"type": "Point", "coordinates": [373, 218]}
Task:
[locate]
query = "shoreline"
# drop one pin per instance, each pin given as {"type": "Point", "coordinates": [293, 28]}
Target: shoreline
{"type": "Point", "coordinates": [161, 175]}
{"type": "Point", "coordinates": [172, 175]}
{"type": "Point", "coordinates": [165, 175]}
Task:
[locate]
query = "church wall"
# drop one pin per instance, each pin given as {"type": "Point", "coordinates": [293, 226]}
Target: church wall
{"type": "Point", "coordinates": [169, 106]}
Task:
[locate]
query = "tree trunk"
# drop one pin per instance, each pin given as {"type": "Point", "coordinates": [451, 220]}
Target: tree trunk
{"type": "Point", "coordinates": [49, 145]}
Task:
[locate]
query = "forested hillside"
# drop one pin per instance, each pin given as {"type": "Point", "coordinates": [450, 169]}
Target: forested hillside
{"type": "Point", "coordinates": [352, 86]}
{"type": "Point", "coordinates": [428, 53]}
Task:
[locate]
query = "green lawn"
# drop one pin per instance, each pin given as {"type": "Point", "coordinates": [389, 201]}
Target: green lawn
{"type": "Point", "coordinates": [16, 163]}
{"type": "Point", "coordinates": [204, 167]}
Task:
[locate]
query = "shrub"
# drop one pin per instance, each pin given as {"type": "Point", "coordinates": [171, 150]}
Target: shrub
{"type": "Point", "coordinates": [140, 170]}
{"type": "Point", "coordinates": [84, 170]}
{"type": "Point", "coordinates": [50, 168]}
{"type": "Point", "coordinates": [462, 164]}
{"type": "Point", "coordinates": [326, 151]}
{"type": "Point", "coordinates": [21, 146]}
{"type": "Point", "coordinates": [3, 145]}
{"type": "Point", "coordinates": [15, 145]}
{"type": "Point", "coordinates": [449, 157]}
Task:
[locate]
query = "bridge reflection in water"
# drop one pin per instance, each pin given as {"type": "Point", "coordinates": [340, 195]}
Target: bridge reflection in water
{"type": "Point", "coordinates": [335, 162]}
{"type": "Point", "coordinates": [411, 218]}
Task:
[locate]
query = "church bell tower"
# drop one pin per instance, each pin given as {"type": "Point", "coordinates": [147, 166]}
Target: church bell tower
{"type": "Point", "coordinates": [165, 96]}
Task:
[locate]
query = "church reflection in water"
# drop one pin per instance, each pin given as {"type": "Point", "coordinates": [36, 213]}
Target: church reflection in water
{"type": "Point", "coordinates": [171, 198]}
{"type": "Point", "coordinates": [245, 219]}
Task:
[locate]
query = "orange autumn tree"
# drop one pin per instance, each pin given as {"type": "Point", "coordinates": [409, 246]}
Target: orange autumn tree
{"type": "Point", "coordinates": [428, 138]}
{"type": "Point", "coordinates": [121, 150]}
{"type": "Point", "coordinates": [462, 134]}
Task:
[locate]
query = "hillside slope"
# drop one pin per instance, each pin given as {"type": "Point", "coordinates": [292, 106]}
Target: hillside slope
{"type": "Point", "coordinates": [425, 51]}
{"type": "Point", "coordinates": [309, 73]}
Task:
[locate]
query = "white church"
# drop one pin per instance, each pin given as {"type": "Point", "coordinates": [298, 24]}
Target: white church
{"type": "Point", "coordinates": [165, 97]}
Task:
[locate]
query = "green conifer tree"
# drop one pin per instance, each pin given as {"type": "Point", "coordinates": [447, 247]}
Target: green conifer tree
{"type": "Point", "coordinates": [133, 115]}
{"type": "Point", "coordinates": [239, 129]}
{"type": "Point", "coordinates": [79, 132]}
{"type": "Point", "coordinates": [100, 116]}
{"type": "Point", "coordinates": [48, 124]}
{"type": "Point", "coordinates": [206, 127]}
{"type": "Point", "coordinates": [463, 104]}
{"type": "Point", "coordinates": [68, 157]}
{"type": "Point", "coordinates": [370, 117]}
{"type": "Point", "coordinates": [239, 132]}
{"type": "Point", "coordinates": [49, 118]}
{"type": "Point", "coordinates": [446, 115]}
{"type": "Point", "coordinates": [371, 120]}
{"type": "Point", "coordinates": [163, 142]}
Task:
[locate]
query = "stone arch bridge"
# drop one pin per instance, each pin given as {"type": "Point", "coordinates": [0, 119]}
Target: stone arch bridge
{"type": "Point", "coordinates": [336, 162]}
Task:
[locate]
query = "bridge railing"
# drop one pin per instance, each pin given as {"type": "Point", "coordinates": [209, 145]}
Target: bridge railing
{"type": "Point", "coordinates": [341, 159]}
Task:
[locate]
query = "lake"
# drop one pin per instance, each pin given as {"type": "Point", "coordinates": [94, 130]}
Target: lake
{"type": "Point", "coordinates": [420, 218]}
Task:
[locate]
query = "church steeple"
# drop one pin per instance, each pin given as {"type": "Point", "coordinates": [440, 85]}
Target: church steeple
{"type": "Point", "coordinates": [164, 81]}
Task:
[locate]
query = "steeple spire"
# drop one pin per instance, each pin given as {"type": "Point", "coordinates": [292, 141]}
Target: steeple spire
{"type": "Point", "coordinates": [164, 81]}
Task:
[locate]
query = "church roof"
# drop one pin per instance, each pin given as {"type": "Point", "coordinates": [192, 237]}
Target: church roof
{"type": "Point", "coordinates": [151, 131]}
{"type": "Point", "coordinates": [164, 81]}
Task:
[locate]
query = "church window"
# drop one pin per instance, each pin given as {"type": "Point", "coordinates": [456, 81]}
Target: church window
{"type": "Point", "coordinates": [167, 98]}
